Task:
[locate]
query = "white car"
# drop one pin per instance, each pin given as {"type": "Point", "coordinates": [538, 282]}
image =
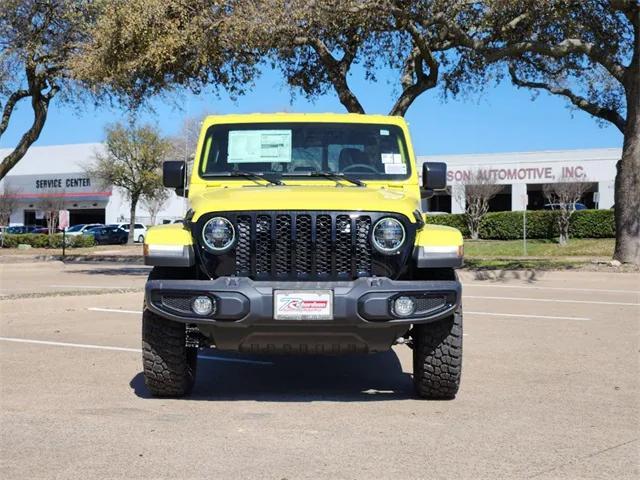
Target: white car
{"type": "Point", "coordinates": [81, 228]}
{"type": "Point", "coordinates": [139, 231]}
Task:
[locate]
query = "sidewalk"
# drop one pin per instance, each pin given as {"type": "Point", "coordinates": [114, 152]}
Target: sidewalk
{"type": "Point", "coordinates": [103, 253]}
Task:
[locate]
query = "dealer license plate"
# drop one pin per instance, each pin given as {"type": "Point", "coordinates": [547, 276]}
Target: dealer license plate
{"type": "Point", "coordinates": [303, 305]}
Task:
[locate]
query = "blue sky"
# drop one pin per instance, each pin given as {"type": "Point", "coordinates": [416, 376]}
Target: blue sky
{"type": "Point", "coordinates": [502, 119]}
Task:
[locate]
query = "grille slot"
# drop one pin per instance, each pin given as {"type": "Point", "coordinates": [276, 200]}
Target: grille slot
{"type": "Point", "coordinates": [303, 246]}
{"type": "Point", "coordinates": [427, 304]}
{"type": "Point", "coordinates": [323, 245]}
{"type": "Point", "coordinates": [243, 253]}
{"type": "Point", "coordinates": [181, 303]}
{"type": "Point", "coordinates": [263, 244]}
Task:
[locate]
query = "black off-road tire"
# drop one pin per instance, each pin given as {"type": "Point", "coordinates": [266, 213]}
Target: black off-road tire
{"type": "Point", "coordinates": [437, 358]}
{"type": "Point", "coordinates": [169, 366]}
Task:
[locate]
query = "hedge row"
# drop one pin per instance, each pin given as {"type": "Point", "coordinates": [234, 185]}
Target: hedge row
{"type": "Point", "coordinates": [540, 224]}
{"type": "Point", "coordinates": [37, 240]}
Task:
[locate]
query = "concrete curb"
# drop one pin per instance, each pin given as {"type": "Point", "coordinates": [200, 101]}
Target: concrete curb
{"type": "Point", "coordinates": [125, 259]}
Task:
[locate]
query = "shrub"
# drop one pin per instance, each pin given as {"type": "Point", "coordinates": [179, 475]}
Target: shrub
{"type": "Point", "coordinates": [540, 224]}
{"type": "Point", "coordinates": [509, 225]}
{"type": "Point", "coordinates": [455, 220]}
{"type": "Point", "coordinates": [46, 241]}
{"type": "Point", "coordinates": [592, 224]}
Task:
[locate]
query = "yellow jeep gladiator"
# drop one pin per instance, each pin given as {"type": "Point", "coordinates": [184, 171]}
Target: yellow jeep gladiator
{"type": "Point", "coordinates": [304, 236]}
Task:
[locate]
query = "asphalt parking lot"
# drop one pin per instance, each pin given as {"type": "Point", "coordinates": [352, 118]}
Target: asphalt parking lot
{"type": "Point", "coordinates": [550, 389]}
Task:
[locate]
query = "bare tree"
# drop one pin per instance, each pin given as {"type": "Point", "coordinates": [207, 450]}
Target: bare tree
{"type": "Point", "coordinates": [185, 142]}
{"type": "Point", "coordinates": [132, 161]}
{"type": "Point", "coordinates": [563, 197]}
{"type": "Point", "coordinates": [51, 204]}
{"type": "Point", "coordinates": [479, 189]}
{"type": "Point", "coordinates": [153, 203]}
{"type": "Point", "coordinates": [8, 202]}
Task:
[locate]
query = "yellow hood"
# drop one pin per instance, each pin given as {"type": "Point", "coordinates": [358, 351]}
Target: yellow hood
{"type": "Point", "coordinates": [308, 197]}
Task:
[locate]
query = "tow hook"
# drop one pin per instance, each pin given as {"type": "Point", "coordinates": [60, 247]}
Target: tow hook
{"type": "Point", "coordinates": [408, 341]}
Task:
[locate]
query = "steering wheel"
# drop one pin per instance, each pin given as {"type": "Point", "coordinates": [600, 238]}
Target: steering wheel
{"type": "Point", "coordinates": [360, 166]}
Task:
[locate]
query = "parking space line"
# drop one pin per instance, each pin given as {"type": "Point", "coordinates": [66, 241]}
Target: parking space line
{"type": "Point", "coordinates": [530, 299]}
{"type": "Point", "coordinates": [519, 315]}
{"type": "Point", "coordinates": [113, 310]}
{"type": "Point", "coordinates": [123, 349]}
{"type": "Point", "coordinates": [538, 287]}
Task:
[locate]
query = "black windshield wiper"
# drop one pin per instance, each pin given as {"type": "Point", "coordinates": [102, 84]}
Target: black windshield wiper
{"type": "Point", "coordinates": [335, 176]}
{"type": "Point", "coordinates": [251, 175]}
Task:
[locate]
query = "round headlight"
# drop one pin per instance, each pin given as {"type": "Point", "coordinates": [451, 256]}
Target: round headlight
{"type": "Point", "coordinates": [388, 235]}
{"type": "Point", "coordinates": [218, 234]}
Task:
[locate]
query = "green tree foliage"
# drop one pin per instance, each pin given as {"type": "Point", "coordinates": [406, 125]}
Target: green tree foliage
{"type": "Point", "coordinates": [141, 48]}
{"type": "Point", "coordinates": [132, 161]}
{"type": "Point", "coordinates": [316, 45]}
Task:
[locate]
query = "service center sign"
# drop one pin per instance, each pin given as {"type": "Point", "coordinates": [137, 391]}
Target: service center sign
{"type": "Point", "coordinates": [62, 183]}
{"type": "Point", "coordinates": [70, 185]}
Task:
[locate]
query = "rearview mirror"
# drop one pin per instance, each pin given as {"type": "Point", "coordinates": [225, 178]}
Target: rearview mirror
{"type": "Point", "coordinates": [434, 178]}
{"type": "Point", "coordinates": [173, 175]}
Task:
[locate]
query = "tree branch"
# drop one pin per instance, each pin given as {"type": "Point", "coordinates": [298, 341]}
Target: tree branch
{"type": "Point", "coordinates": [337, 71]}
{"type": "Point", "coordinates": [40, 106]}
{"type": "Point", "coordinates": [414, 68]}
{"type": "Point", "coordinates": [14, 98]}
{"type": "Point", "coordinates": [580, 102]}
{"type": "Point", "coordinates": [558, 50]}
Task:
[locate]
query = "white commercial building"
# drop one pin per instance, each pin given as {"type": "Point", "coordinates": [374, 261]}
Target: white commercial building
{"type": "Point", "coordinates": [55, 177]}
{"type": "Point", "coordinates": [523, 175]}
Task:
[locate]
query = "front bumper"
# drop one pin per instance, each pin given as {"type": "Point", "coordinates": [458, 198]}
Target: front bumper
{"type": "Point", "coordinates": [244, 302]}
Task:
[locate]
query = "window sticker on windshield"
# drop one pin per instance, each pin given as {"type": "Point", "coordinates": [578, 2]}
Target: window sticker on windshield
{"type": "Point", "coordinates": [384, 132]}
{"type": "Point", "coordinates": [395, 169]}
{"type": "Point", "coordinates": [255, 146]}
{"type": "Point", "coordinates": [386, 157]}
{"type": "Point", "coordinates": [397, 158]}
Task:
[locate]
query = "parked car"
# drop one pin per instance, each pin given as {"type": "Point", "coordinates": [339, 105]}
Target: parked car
{"type": "Point", "coordinates": [20, 230]}
{"type": "Point", "coordinates": [81, 228]}
{"type": "Point", "coordinates": [139, 232]}
{"type": "Point", "coordinates": [556, 206]}
{"type": "Point", "coordinates": [108, 235]}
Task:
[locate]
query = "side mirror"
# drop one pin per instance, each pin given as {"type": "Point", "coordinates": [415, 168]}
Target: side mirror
{"type": "Point", "coordinates": [173, 174]}
{"type": "Point", "coordinates": [434, 178]}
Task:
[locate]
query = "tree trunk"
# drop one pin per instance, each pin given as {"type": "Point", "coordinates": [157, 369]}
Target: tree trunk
{"type": "Point", "coordinates": [132, 220]}
{"type": "Point", "coordinates": [627, 188]}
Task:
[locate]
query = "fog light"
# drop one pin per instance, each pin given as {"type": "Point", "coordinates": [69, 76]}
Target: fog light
{"type": "Point", "coordinates": [202, 305]}
{"type": "Point", "coordinates": [404, 306]}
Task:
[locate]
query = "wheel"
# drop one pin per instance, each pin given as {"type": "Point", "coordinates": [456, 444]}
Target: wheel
{"type": "Point", "coordinates": [169, 366]}
{"type": "Point", "coordinates": [437, 358]}
{"type": "Point", "coordinates": [141, 239]}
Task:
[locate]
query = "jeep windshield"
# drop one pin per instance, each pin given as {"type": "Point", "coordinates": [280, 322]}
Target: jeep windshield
{"type": "Point", "coordinates": [306, 150]}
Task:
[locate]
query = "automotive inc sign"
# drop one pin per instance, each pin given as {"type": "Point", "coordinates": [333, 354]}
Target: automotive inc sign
{"type": "Point", "coordinates": [525, 173]}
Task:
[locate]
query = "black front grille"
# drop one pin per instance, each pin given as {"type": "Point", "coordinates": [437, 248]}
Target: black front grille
{"type": "Point", "coordinates": [304, 246]}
